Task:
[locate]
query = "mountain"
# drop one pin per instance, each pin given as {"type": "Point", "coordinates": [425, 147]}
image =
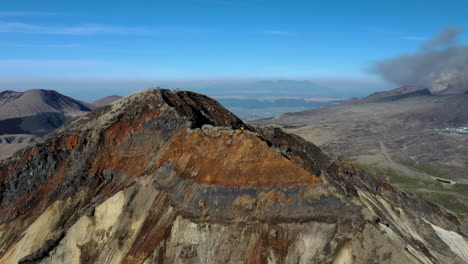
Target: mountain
{"type": "Point", "coordinates": [105, 101]}
{"type": "Point", "coordinates": [172, 177]}
{"type": "Point", "coordinates": [37, 112]}
{"type": "Point", "coordinates": [404, 139]}
{"type": "Point", "coordinates": [26, 116]}
{"type": "Point", "coordinates": [395, 94]}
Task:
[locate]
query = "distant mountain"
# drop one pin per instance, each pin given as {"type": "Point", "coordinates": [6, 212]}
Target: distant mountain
{"type": "Point", "coordinates": [37, 112]}
{"type": "Point", "coordinates": [394, 94]}
{"type": "Point", "coordinates": [278, 103]}
{"type": "Point", "coordinates": [26, 116]}
{"type": "Point", "coordinates": [266, 88]}
{"type": "Point", "coordinates": [251, 108]}
{"type": "Point", "coordinates": [106, 101]}
{"type": "Point", "coordinates": [19, 104]}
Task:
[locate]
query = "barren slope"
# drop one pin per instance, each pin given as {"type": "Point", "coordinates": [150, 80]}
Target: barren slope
{"type": "Point", "coordinates": [407, 129]}
{"type": "Point", "coordinates": [25, 116]}
{"type": "Point", "coordinates": [106, 101]}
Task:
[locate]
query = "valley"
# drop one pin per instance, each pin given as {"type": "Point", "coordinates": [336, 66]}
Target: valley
{"type": "Point", "coordinates": [399, 140]}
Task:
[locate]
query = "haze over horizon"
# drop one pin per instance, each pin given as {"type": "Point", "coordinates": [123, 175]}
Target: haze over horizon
{"type": "Point", "coordinates": [88, 50]}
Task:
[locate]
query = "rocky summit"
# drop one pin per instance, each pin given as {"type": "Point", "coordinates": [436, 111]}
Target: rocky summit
{"type": "Point", "coordinates": [172, 177]}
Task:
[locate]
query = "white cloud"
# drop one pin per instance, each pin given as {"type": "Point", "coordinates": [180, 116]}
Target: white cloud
{"type": "Point", "coordinates": [374, 30]}
{"type": "Point", "coordinates": [399, 35]}
{"type": "Point", "coordinates": [87, 29]}
{"type": "Point", "coordinates": [278, 32]}
{"type": "Point", "coordinates": [19, 45]}
{"type": "Point", "coordinates": [413, 38]}
{"type": "Point", "coordinates": [41, 64]}
{"type": "Point", "coordinates": [25, 14]}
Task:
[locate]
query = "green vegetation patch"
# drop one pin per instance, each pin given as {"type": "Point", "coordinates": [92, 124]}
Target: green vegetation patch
{"type": "Point", "coordinates": [427, 189]}
{"type": "Point", "coordinates": [394, 177]}
{"type": "Point", "coordinates": [428, 169]}
{"type": "Point", "coordinates": [446, 200]}
{"type": "Point", "coordinates": [459, 188]}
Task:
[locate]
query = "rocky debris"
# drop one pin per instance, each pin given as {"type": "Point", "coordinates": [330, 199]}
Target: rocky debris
{"type": "Point", "coordinates": [173, 177]}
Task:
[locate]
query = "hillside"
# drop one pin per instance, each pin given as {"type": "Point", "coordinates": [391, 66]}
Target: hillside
{"type": "Point", "coordinates": [402, 139]}
{"type": "Point", "coordinates": [172, 177]}
{"type": "Point", "coordinates": [395, 94]}
{"type": "Point", "coordinates": [37, 112]}
{"type": "Point", "coordinates": [27, 116]}
{"type": "Point", "coordinates": [105, 101]}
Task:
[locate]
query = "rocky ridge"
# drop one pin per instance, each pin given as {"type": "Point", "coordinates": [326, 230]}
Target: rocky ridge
{"type": "Point", "coordinates": [173, 177]}
{"type": "Point", "coordinates": [395, 94]}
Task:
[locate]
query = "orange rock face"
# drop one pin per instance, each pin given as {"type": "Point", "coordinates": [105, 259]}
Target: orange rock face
{"type": "Point", "coordinates": [235, 160]}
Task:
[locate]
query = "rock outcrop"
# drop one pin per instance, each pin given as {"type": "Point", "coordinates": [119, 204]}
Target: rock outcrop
{"type": "Point", "coordinates": [173, 177]}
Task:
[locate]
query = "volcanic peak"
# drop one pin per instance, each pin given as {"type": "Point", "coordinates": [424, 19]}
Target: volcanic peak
{"type": "Point", "coordinates": [169, 175]}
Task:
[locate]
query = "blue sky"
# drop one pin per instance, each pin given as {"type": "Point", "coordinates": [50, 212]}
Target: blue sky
{"type": "Point", "coordinates": [213, 39]}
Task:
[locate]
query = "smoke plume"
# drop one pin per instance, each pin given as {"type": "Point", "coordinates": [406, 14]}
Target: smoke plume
{"type": "Point", "coordinates": [440, 65]}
